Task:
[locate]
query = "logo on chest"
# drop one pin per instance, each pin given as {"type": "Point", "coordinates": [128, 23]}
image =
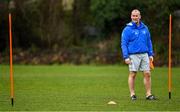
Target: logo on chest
{"type": "Point", "coordinates": [143, 32]}
{"type": "Point", "coordinates": [135, 33]}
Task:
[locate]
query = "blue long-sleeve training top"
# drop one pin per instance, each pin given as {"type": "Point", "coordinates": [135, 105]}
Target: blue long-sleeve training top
{"type": "Point", "coordinates": [136, 39]}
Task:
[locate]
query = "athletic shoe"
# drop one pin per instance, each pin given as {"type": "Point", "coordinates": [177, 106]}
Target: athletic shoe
{"type": "Point", "coordinates": [133, 97]}
{"type": "Point", "coordinates": [151, 97]}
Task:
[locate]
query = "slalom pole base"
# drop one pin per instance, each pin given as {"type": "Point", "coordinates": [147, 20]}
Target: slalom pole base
{"type": "Point", "coordinates": [12, 102]}
{"type": "Point", "coordinates": [169, 95]}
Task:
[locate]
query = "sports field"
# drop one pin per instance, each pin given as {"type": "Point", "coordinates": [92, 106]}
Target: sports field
{"type": "Point", "coordinates": [84, 88]}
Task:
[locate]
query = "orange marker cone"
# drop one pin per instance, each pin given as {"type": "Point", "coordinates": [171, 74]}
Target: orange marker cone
{"type": "Point", "coordinates": [151, 64]}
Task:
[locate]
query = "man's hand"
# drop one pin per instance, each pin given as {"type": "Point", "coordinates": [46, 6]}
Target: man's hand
{"type": "Point", "coordinates": [151, 58]}
{"type": "Point", "coordinates": [128, 61]}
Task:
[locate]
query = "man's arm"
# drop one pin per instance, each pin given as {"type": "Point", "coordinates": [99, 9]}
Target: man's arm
{"type": "Point", "coordinates": [124, 46]}
{"type": "Point", "coordinates": [149, 44]}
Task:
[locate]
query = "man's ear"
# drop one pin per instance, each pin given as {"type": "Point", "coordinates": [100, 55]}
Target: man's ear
{"type": "Point", "coordinates": [139, 16]}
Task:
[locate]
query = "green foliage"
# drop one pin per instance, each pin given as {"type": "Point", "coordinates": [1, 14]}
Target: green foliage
{"type": "Point", "coordinates": [107, 14]}
{"type": "Point", "coordinates": [45, 24]}
{"type": "Point", "coordinates": [105, 10]}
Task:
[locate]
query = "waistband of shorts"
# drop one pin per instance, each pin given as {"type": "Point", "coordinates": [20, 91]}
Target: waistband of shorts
{"type": "Point", "coordinates": [138, 53]}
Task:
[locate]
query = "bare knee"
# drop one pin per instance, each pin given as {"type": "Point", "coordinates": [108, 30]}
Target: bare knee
{"type": "Point", "coordinates": [147, 74]}
{"type": "Point", "coordinates": [132, 75]}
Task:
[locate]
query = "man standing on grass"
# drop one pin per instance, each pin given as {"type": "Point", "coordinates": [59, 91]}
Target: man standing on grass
{"type": "Point", "coordinates": [137, 51]}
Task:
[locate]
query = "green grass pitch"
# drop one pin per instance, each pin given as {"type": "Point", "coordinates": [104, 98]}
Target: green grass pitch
{"type": "Point", "coordinates": [84, 88]}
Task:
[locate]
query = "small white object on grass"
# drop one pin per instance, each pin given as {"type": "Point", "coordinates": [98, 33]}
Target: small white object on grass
{"type": "Point", "coordinates": [112, 103]}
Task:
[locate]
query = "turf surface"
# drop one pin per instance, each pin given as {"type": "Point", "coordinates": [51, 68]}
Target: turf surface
{"type": "Point", "coordinates": [84, 88]}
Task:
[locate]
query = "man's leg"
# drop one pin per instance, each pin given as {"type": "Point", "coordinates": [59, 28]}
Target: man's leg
{"type": "Point", "coordinates": [131, 82]}
{"type": "Point", "coordinates": [147, 82]}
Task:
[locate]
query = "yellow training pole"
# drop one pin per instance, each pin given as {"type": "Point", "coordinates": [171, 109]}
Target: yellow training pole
{"type": "Point", "coordinates": [11, 60]}
{"type": "Point", "coordinates": [169, 67]}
